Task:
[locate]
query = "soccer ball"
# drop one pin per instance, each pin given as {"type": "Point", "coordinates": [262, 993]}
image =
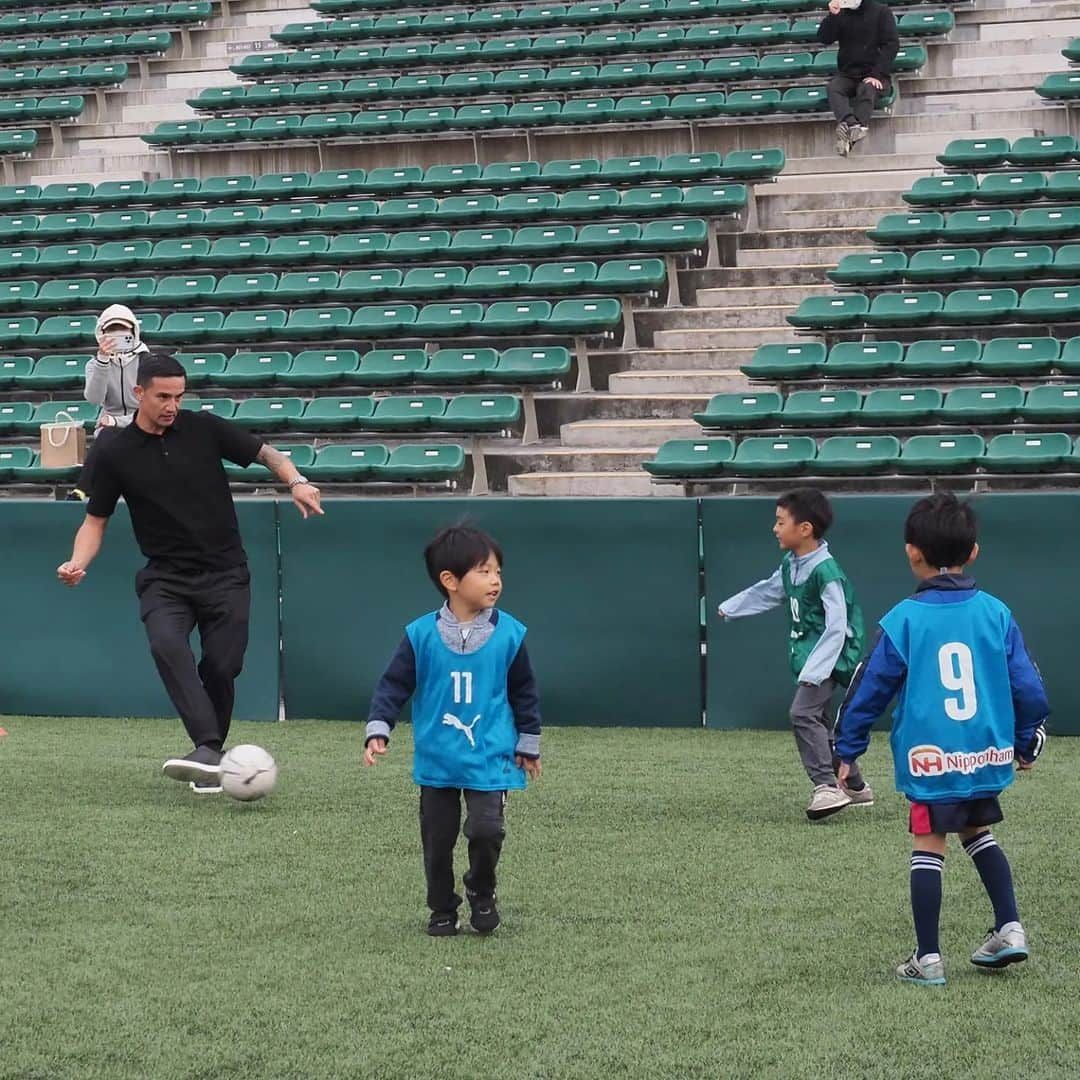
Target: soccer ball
{"type": "Point", "coordinates": [248, 772]}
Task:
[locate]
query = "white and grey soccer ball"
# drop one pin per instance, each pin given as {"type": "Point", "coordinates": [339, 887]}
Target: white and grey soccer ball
{"type": "Point", "coordinates": [248, 772]}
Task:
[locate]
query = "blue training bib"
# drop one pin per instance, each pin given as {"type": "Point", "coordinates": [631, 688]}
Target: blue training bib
{"type": "Point", "coordinates": [954, 725]}
{"type": "Point", "coordinates": [463, 726]}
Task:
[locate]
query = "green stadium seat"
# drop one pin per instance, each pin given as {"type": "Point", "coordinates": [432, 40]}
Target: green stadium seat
{"type": "Point", "coordinates": [330, 183]}
{"type": "Point", "coordinates": [689, 234]}
{"type": "Point", "coordinates": [191, 327]}
{"type": "Point", "coordinates": [754, 164]}
{"type": "Point", "coordinates": [79, 411]}
{"type": "Point", "coordinates": [375, 321]}
{"type": "Point", "coordinates": [54, 372]}
{"type": "Point", "coordinates": [801, 99]}
{"type": "Point", "coordinates": [785, 66]}
{"type": "Point", "coordinates": [1039, 150]}
{"type": "Point", "coordinates": [1069, 363]}
{"type": "Point", "coordinates": [237, 250]}
{"type": "Point", "coordinates": [900, 407]}
{"type": "Point", "coordinates": [1023, 357]}
{"type": "Point", "coordinates": [254, 368]}
{"type": "Point", "coordinates": [639, 108]}
{"type": "Point", "coordinates": [301, 455]}
{"type": "Point", "coordinates": [516, 318]}
{"type": "Point", "coordinates": [975, 153]}
{"type": "Point", "coordinates": [941, 358]}
{"type": "Point", "coordinates": [481, 243]}
{"type": "Point", "coordinates": [312, 323]}
{"type": "Point", "coordinates": [563, 277]}
{"type": "Point", "coordinates": [433, 281]}
{"type": "Point", "coordinates": [201, 367]}
{"type": "Point", "coordinates": [268, 414]}
{"type": "Point", "coordinates": [320, 368]}
{"type": "Point", "coordinates": [1063, 186]}
{"type": "Point", "coordinates": [877, 268]}
{"type": "Point", "coordinates": [978, 225]}
{"type": "Point", "coordinates": [983, 404]}
{"type": "Point", "coordinates": [440, 320]}
{"type": "Point", "coordinates": [925, 24]}
{"type": "Point", "coordinates": [803, 30]}
{"type": "Point", "coordinates": [12, 370]}
{"type": "Point", "coordinates": [1061, 86]}
{"type": "Point", "coordinates": [691, 458]}
{"type": "Point", "coordinates": [582, 317]}
{"type": "Point", "coordinates": [1046, 403]}
{"type": "Point", "coordinates": [1059, 304]}
{"type": "Point", "coordinates": [1038, 223]}
{"type": "Point", "coordinates": [943, 265]}
{"type": "Point", "coordinates": [862, 359]}
{"type": "Point", "coordinates": [759, 456]}
{"type": "Point", "coordinates": [424, 464]}
{"type": "Point", "coordinates": [750, 103]}
{"type": "Point", "coordinates": [390, 367]}
{"type": "Point", "coordinates": [643, 202]}
{"type": "Point", "coordinates": [480, 412]}
{"type": "Point", "coordinates": [335, 414]}
{"type": "Point", "coordinates": [1011, 187]}
{"type": "Point", "coordinates": [692, 106]}
{"type": "Point", "coordinates": [844, 455]}
{"type": "Point", "coordinates": [132, 291]}
{"type": "Point", "coordinates": [297, 287]}
{"type": "Point", "coordinates": [406, 413]}
{"type": "Point", "coordinates": [941, 454]}
{"type": "Point", "coordinates": [13, 460]}
{"type": "Point", "coordinates": [686, 168]}
{"type": "Point", "coordinates": [1027, 453]}
{"type": "Point", "coordinates": [820, 408]}
{"type": "Point", "coordinates": [628, 74]}
{"type": "Point", "coordinates": [17, 416]}
{"type": "Point", "coordinates": [346, 462]}
{"type": "Point", "coordinates": [497, 280]}
{"type": "Point", "coordinates": [55, 330]}
{"type": "Point", "coordinates": [1011, 263]}
{"type": "Point", "coordinates": [525, 364]}
{"type": "Point", "coordinates": [456, 366]}
{"type": "Point", "coordinates": [119, 192]}
{"type": "Point", "coordinates": [942, 190]}
{"type": "Point", "coordinates": [741, 410]}
{"type": "Point", "coordinates": [826, 312]}
{"type": "Point", "coordinates": [574, 77]}
{"type": "Point", "coordinates": [786, 361]}
{"type": "Point", "coordinates": [972, 307]}
{"type": "Point", "coordinates": [179, 290]}
{"type": "Point", "coordinates": [907, 228]}
{"type": "Point", "coordinates": [632, 275]}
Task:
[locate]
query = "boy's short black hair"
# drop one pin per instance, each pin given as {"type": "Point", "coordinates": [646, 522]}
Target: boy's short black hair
{"type": "Point", "coordinates": [158, 366]}
{"type": "Point", "coordinates": [459, 549]}
{"type": "Point", "coordinates": [943, 528]}
{"type": "Point", "coordinates": [808, 504]}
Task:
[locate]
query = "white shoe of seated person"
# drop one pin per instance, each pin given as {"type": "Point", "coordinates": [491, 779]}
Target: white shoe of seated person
{"type": "Point", "coordinates": [857, 132]}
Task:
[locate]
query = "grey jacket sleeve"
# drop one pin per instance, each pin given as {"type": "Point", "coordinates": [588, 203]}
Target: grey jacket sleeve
{"type": "Point", "coordinates": [761, 596]}
{"type": "Point", "coordinates": [97, 381]}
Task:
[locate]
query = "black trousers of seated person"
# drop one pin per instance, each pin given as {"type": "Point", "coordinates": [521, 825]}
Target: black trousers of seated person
{"type": "Point", "coordinates": [440, 823]}
{"type": "Point", "coordinates": [853, 99]}
{"type": "Point", "coordinates": [218, 602]}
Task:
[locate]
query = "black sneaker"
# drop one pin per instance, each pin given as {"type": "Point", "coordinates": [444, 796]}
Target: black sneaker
{"type": "Point", "coordinates": [209, 786]}
{"type": "Point", "coordinates": [443, 924]}
{"type": "Point", "coordinates": [201, 764]}
{"type": "Point", "coordinates": [485, 915]}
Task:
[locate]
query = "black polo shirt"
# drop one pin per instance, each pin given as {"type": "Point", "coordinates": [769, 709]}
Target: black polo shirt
{"type": "Point", "coordinates": [176, 489]}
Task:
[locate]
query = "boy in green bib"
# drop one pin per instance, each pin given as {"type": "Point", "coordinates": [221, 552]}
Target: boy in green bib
{"type": "Point", "coordinates": [825, 640]}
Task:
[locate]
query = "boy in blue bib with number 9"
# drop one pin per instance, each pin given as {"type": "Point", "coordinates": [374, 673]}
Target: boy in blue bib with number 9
{"type": "Point", "coordinates": [970, 703]}
{"type": "Point", "coordinates": [476, 721]}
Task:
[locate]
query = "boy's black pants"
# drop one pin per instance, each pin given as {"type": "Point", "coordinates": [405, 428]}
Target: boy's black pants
{"type": "Point", "coordinates": [440, 823]}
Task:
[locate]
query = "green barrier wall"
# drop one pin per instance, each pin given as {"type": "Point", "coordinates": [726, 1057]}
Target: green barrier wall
{"type": "Point", "coordinates": [83, 652]}
{"type": "Point", "coordinates": [608, 589]}
{"type": "Point", "coordinates": [1025, 559]}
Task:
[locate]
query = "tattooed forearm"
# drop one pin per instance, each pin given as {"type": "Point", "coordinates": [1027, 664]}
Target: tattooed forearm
{"type": "Point", "coordinates": [277, 462]}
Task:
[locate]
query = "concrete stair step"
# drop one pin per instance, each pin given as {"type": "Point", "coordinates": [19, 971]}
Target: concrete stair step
{"type": "Point", "coordinates": [693, 281]}
{"type": "Point", "coordinates": [677, 382]}
{"type": "Point", "coordinates": [770, 205]}
{"type": "Point", "coordinates": [865, 217]}
{"type": "Point", "coordinates": [589, 484]}
{"type": "Point", "coordinates": [809, 239]}
{"type": "Point", "coordinates": [717, 361]}
{"type": "Point", "coordinates": [781, 297]}
{"type": "Point", "coordinates": [723, 338]}
{"type": "Point", "coordinates": [775, 258]}
{"type": "Point", "coordinates": [622, 434]}
{"type": "Point", "coordinates": [701, 318]}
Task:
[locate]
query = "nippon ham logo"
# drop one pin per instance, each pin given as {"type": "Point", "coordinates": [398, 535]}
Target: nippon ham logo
{"type": "Point", "coordinates": [933, 761]}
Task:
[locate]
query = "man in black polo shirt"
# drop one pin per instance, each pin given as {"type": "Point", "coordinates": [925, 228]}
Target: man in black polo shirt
{"type": "Point", "coordinates": [167, 465]}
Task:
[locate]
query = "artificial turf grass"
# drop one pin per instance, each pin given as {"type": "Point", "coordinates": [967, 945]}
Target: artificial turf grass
{"type": "Point", "coordinates": [668, 910]}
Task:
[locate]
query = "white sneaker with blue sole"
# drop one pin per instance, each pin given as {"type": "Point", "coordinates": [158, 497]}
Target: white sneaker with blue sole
{"type": "Point", "coordinates": [924, 971]}
{"type": "Point", "coordinates": [1002, 947]}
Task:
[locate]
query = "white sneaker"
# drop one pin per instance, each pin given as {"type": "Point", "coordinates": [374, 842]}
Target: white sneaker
{"type": "Point", "coordinates": [827, 799]}
{"type": "Point", "coordinates": [856, 133]}
{"type": "Point", "coordinates": [925, 971]}
{"type": "Point", "coordinates": [1002, 947]}
{"type": "Point", "coordinates": [865, 797]}
{"type": "Point", "coordinates": [843, 139]}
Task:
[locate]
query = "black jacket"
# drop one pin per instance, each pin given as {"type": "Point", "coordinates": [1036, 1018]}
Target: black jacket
{"type": "Point", "coordinates": [867, 40]}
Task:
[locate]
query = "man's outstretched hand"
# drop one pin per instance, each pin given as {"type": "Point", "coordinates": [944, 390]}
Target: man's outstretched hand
{"type": "Point", "coordinates": [70, 573]}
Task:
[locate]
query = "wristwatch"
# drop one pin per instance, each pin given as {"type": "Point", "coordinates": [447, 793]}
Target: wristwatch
{"type": "Point", "coordinates": [300, 478]}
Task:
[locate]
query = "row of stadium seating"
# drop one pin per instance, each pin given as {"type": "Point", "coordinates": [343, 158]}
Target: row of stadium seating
{"type": "Point", "coordinates": [344, 248]}
{"type": "Point", "coordinates": [943, 359]}
{"type": "Point", "coordinates": [956, 265]}
{"type": "Point", "coordinates": [387, 89]}
{"type": "Point", "coordinates": [140, 43]}
{"type": "Point", "coordinates": [622, 9]}
{"type": "Point", "coordinates": [68, 77]}
{"type": "Point", "coordinates": [962, 307]}
{"type": "Point", "coordinates": [701, 39]}
{"type": "Point", "coordinates": [424, 28]}
{"type": "Point", "coordinates": [84, 19]}
{"type": "Point", "coordinates": [1007, 188]}
{"type": "Point", "coordinates": [740, 104]}
{"type": "Point", "coordinates": [985, 226]}
{"type": "Point", "coordinates": [373, 322]}
{"type": "Point", "coordinates": [892, 408]}
{"type": "Point", "coordinates": [430, 412]}
{"type": "Point", "coordinates": [497, 177]}
{"type": "Point", "coordinates": [46, 110]}
{"type": "Point", "coordinates": [426, 463]}
{"type": "Point", "coordinates": [601, 203]}
{"type": "Point", "coordinates": [1065, 85]}
{"type": "Point", "coordinates": [321, 368]}
{"type": "Point", "coordinates": [859, 455]}
{"type": "Point", "coordinates": [979, 155]}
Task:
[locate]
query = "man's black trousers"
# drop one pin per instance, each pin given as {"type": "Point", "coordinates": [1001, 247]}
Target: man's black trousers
{"type": "Point", "coordinates": [440, 822]}
{"type": "Point", "coordinates": [173, 603]}
{"type": "Point", "coordinates": [853, 98]}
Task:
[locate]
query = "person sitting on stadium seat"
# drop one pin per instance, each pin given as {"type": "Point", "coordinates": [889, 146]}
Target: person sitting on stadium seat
{"type": "Point", "coordinates": [865, 31]}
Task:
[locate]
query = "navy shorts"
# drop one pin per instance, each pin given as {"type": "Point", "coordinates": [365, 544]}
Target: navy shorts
{"type": "Point", "coordinates": [954, 817]}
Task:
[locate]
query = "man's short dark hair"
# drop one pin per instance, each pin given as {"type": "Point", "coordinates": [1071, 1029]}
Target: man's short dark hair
{"type": "Point", "coordinates": [808, 504]}
{"type": "Point", "coordinates": [459, 549]}
{"type": "Point", "coordinates": [943, 528]}
{"type": "Point", "coordinates": [158, 366]}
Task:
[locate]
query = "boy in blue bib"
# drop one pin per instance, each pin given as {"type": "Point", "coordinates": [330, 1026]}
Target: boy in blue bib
{"type": "Point", "coordinates": [969, 703]}
{"type": "Point", "coordinates": [476, 721]}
